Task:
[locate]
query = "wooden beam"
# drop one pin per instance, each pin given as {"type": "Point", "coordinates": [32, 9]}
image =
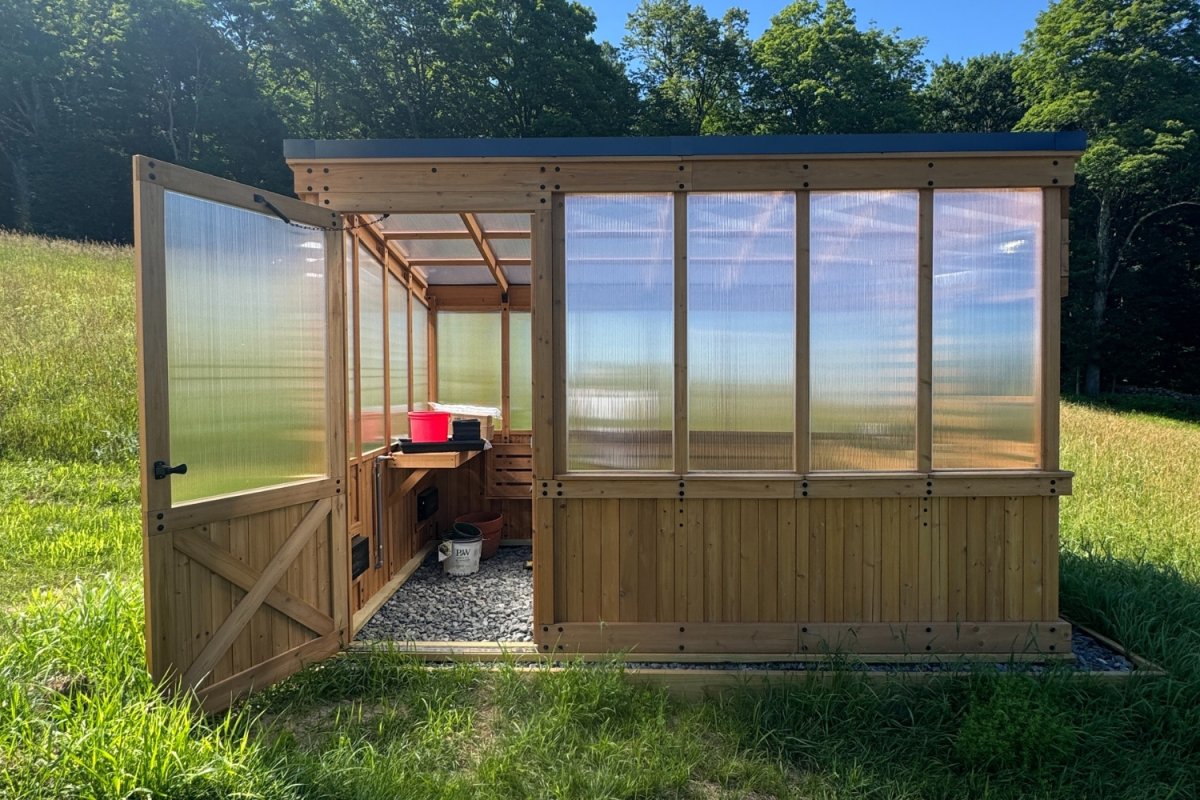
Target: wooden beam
{"type": "Point", "coordinates": [254, 501]}
{"type": "Point", "coordinates": [480, 185]}
{"type": "Point", "coordinates": [485, 249]}
{"type": "Point", "coordinates": [819, 485]}
{"type": "Point", "coordinates": [439, 235]}
{"type": "Point", "coordinates": [481, 297]}
{"type": "Point", "coordinates": [794, 641]}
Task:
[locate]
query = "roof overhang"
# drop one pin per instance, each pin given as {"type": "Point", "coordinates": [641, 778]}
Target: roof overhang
{"type": "Point", "coordinates": [685, 146]}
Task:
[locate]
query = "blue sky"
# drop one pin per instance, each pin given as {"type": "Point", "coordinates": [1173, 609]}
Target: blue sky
{"type": "Point", "coordinates": [954, 28]}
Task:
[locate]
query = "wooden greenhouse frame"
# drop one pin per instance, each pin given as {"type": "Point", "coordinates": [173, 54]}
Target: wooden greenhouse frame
{"type": "Point", "coordinates": [244, 587]}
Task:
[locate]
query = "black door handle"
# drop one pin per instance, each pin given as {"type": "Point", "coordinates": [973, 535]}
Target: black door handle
{"type": "Point", "coordinates": [162, 470]}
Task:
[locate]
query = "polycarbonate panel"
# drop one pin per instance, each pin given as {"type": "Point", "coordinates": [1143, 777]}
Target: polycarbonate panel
{"type": "Point", "coordinates": [468, 358]}
{"type": "Point", "coordinates": [504, 222]}
{"type": "Point", "coordinates": [458, 276]}
{"type": "Point", "coordinates": [246, 338]}
{"type": "Point", "coordinates": [519, 276]}
{"type": "Point", "coordinates": [398, 354]}
{"type": "Point", "coordinates": [863, 330]}
{"type": "Point", "coordinates": [741, 321]}
{"type": "Point", "coordinates": [620, 351]}
{"type": "Point", "coordinates": [422, 223]}
{"type": "Point", "coordinates": [987, 248]}
{"type": "Point", "coordinates": [416, 249]}
{"type": "Point", "coordinates": [510, 249]}
{"type": "Point", "coordinates": [520, 371]}
{"type": "Point", "coordinates": [370, 351]}
{"type": "Point", "coordinates": [420, 356]}
{"type": "Point", "coordinates": [351, 359]}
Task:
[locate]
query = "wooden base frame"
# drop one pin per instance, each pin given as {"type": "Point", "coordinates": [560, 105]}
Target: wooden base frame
{"type": "Point", "coordinates": [796, 641]}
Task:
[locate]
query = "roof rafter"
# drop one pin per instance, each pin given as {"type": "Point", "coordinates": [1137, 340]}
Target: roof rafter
{"type": "Point", "coordinates": [485, 249]}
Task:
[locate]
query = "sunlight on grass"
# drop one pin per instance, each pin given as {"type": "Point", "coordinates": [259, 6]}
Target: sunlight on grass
{"type": "Point", "coordinates": [60, 521]}
{"type": "Point", "coordinates": [1137, 487]}
{"type": "Point", "coordinates": [67, 378]}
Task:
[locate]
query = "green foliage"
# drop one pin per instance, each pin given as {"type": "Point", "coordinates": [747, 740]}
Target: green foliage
{"type": "Point", "coordinates": [1127, 72]}
{"type": "Point", "coordinates": [67, 369]}
{"type": "Point", "coordinates": [1015, 723]}
{"type": "Point", "coordinates": [691, 69]}
{"type": "Point", "coordinates": [976, 95]}
{"type": "Point", "coordinates": [819, 73]}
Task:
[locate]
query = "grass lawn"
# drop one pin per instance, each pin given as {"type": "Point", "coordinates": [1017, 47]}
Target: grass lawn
{"type": "Point", "coordinates": [79, 716]}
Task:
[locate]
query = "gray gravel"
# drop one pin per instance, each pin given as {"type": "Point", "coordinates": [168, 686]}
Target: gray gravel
{"type": "Point", "coordinates": [496, 605]}
{"type": "Point", "coordinates": [493, 605]}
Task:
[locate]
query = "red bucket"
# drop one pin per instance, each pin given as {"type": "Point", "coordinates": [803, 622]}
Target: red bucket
{"type": "Point", "coordinates": [429, 426]}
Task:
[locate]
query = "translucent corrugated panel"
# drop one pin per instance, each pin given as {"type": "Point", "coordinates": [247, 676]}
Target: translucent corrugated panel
{"type": "Point", "coordinates": [424, 223]}
{"type": "Point", "coordinates": [520, 371]}
{"type": "Point", "coordinates": [504, 222]}
{"type": "Point", "coordinates": [863, 330]}
{"type": "Point", "coordinates": [246, 338]}
{"type": "Point", "coordinates": [510, 249]}
{"type": "Point", "coordinates": [519, 276]}
{"type": "Point", "coordinates": [420, 355]}
{"type": "Point", "coordinates": [370, 351]}
{"type": "Point", "coordinates": [620, 350]}
{"type": "Point", "coordinates": [351, 362]}
{"type": "Point", "coordinates": [458, 276]}
{"type": "Point", "coordinates": [741, 320]}
{"type": "Point", "coordinates": [398, 354]}
{"type": "Point", "coordinates": [468, 358]}
{"type": "Point", "coordinates": [987, 249]}
{"type": "Point", "coordinates": [416, 249]}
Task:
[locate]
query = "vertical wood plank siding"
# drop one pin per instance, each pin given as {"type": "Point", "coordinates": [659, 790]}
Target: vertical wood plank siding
{"type": "Point", "coordinates": [870, 559]}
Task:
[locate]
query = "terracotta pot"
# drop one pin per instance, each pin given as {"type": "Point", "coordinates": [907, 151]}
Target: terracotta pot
{"type": "Point", "coordinates": [490, 523]}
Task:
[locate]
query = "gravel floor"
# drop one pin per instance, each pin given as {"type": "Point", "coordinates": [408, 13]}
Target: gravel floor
{"type": "Point", "coordinates": [496, 605]}
{"type": "Point", "coordinates": [493, 605]}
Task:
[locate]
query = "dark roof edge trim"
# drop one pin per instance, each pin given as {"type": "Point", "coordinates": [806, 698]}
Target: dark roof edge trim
{"type": "Point", "coordinates": [682, 146]}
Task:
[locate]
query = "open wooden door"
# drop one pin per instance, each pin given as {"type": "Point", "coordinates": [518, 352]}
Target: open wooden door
{"type": "Point", "coordinates": [241, 377]}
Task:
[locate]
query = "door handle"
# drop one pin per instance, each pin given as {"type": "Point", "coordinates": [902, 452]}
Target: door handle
{"type": "Point", "coordinates": [162, 470]}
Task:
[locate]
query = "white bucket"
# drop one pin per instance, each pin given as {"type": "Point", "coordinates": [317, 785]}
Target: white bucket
{"type": "Point", "coordinates": [460, 557]}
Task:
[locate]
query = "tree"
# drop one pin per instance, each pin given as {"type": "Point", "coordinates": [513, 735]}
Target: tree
{"type": "Point", "coordinates": [1126, 71]}
{"type": "Point", "coordinates": [536, 70]}
{"type": "Point", "coordinates": [973, 96]}
{"type": "Point", "coordinates": [817, 72]}
{"type": "Point", "coordinates": [690, 69]}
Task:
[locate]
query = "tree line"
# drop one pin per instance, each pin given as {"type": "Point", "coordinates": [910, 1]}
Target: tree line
{"type": "Point", "coordinates": [217, 84]}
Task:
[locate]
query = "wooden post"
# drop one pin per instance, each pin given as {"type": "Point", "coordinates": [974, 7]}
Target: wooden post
{"type": "Point", "coordinates": [680, 437]}
{"type": "Point", "coordinates": [558, 336]}
{"type": "Point", "coordinates": [1051, 313]}
{"type": "Point", "coordinates": [543, 356]}
{"type": "Point", "coordinates": [803, 449]}
{"type": "Point", "coordinates": [545, 369]}
{"type": "Point", "coordinates": [925, 332]}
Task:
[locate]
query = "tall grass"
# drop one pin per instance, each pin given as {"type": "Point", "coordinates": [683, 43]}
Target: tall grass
{"type": "Point", "coordinates": [80, 717]}
{"type": "Point", "coordinates": [67, 357]}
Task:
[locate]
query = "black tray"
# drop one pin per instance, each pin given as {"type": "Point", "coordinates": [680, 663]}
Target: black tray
{"type": "Point", "coordinates": [448, 446]}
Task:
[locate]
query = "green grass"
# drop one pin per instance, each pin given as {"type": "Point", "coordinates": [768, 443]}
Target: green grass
{"type": "Point", "coordinates": [67, 378]}
{"type": "Point", "coordinates": [79, 716]}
